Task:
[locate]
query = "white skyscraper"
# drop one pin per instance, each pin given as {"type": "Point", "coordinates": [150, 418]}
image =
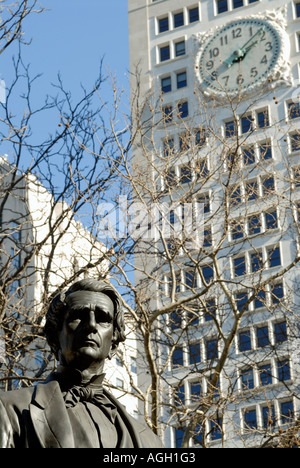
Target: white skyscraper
{"type": "Point", "coordinates": [222, 82]}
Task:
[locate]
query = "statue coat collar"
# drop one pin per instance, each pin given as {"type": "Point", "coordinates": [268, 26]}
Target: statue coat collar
{"type": "Point", "coordinates": [50, 418]}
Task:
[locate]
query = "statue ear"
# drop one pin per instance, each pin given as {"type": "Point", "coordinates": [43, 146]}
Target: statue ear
{"type": "Point", "coordinates": [114, 346]}
{"type": "Point", "coordinates": [112, 351]}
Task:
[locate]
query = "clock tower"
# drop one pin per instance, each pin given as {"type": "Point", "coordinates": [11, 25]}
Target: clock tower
{"type": "Point", "coordinates": [220, 79]}
{"type": "Point", "coordinates": [244, 55]}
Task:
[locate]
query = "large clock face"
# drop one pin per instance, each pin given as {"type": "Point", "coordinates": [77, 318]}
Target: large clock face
{"type": "Point", "coordinates": [238, 57]}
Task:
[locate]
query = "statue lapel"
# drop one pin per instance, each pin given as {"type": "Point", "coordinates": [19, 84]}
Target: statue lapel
{"type": "Point", "coordinates": [49, 417]}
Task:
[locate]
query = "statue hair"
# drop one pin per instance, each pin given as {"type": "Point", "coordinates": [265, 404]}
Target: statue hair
{"type": "Point", "coordinates": [58, 308]}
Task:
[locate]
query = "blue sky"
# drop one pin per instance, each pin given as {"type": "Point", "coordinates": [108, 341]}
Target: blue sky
{"type": "Point", "coordinates": [71, 38]}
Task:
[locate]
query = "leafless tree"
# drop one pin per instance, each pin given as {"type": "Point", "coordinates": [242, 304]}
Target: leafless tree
{"type": "Point", "coordinates": [50, 189]}
{"type": "Point", "coordinates": [198, 227]}
{"type": "Point", "coordinates": [214, 296]}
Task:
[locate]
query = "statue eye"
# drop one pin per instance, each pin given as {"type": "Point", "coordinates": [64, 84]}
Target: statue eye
{"type": "Point", "coordinates": [74, 315]}
{"type": "Point", "coordinates": [103, 317]}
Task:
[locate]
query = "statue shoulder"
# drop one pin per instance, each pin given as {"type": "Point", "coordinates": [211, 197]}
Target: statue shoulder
{"type": "Point", "coordinates": [17, 397]}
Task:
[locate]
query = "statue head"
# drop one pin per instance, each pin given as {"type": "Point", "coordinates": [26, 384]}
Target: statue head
{"type": "Point", "coordinates": [85, 323]}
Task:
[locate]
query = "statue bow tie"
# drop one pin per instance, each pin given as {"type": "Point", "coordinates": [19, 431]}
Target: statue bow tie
{"type": "Point", "coordinates": [92, 395]}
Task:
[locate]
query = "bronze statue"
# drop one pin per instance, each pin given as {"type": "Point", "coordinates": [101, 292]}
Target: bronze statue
{"type": "Point", "coordinates": [71, 409]}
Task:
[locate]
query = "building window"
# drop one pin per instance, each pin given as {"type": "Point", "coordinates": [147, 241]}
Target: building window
{"type": "Point", "coordinates": [168, 147]}
{"type": "Point", "coordinates": [166, 84]}
{"type": "Point", "coordinates": [164, 53]}
{"type": "Point", "coordinates": [251, 190]}
{"type": "Point", "coordinates": [207, 241]}
{"type": "Point", "coordinates": [262, 118]}
{"type": "Point", "coordinates": [283, 370]}
{"type": "Point", "coordinates": [293, 109]}
{"type": "Point", "coordinates": [198, 435]}
{"type": "Point", "coordinates": [183, 109]}
{"type": "Point", "coordinates": [15, 288]}
{"type": "Point", "coordinates": [177, 357]}
{"type": "Point", "coordinates": [298, 211]}
{"type": "Point", "coordinates": [250, 419]}
{"type": "Point", "coordinates": [171, 178]}
{"type": "Point", "coordinates": [235, 195]}
{"type": "Point", "coordinates": [298, 42]}
{"type": "Point", "coordinates": [179, 396]}
{"type": "Point", "coordinates": [200, 137]}
{"type": "Point", "coordinates": [249, 156]}
{"type": "Point", "coordinates": [195, 391]}
{"type": "Point", "coordinates": [271, 220]}
{"type": "Point", "coordinates": [237, 230]}
{"type": "Point", "coordinates": [175, 320]}
{"type": "Point", "coordinates": [241, 300]}
{"type": "Point", "coordinates": [237, 3]}
{"type": "Point", "coordinates": [184, 142]}
{"type": "Point", "coordinates": [167, 114]}
{"type": "Point", "coordinates": [265, 151]}
{"type": "Point", "coordinates": [256, 261]}
{"type": "Point", "coordinates": [186, 174]}
{"type": "Point", "coordinates": [179, 433]}
{"type": "Point", "coordinates": [179, 48]}
{"type": "Point", "coordinates": [178, 19]}
{"type": "Point", "coordinates": [193, 15]}
{"type": "Point", "coordinates": [190, 279]}
{"type": "Point", "coordinates": [274, 259]}
{"type": "Point", "coordinates": [277, 293]}
{"type": "Point", "coordinates": [222, 6]}
{"type": "Point", "coordinates": [297, 9]}
{"type": "Point", "coordinates": [204, 199]}
{"type": "Point", "coordinates": [246, 123]}
{"type": "Point", "coordinates": [268, 416]}
{"type": "Point", "coordinates": [181, 80]}
{"type": "Point", "coordinates": [239, 266]}
{"type": "Point", "coordinates": [193, 316]}
{"type": "Point", "coordinates": [295, 141]}
{"type": "Point", "coordinates": [262, 336]}
{"type": "Point", "coordinates": [15, 232]}
{"type": "Point", "coordinates": [119, 383]}
{"type": "Point", "coordinates": [244, 341]}
{"type": "Point", "coordinates": [163, 24]}
{"type": "Point", "coordinates": [286, 412]}
{"type": "Point", "coordinates": [254, 225]}
{"type": "Point", "coordinates": [230, 129]}
{"type": "Point", "coordinates": [296, 176]}
{"type": "Point", "coordinates": [260, 300]}
{"type": "Point", "coordinates": [265, 375]}
{"type": "Point", "coordinates": [247, 378]}
{"type": "Point", "coordinates": [215, 429]}
{"type": "Point", "coordinates": [211, 310]}
{"type": "Point", "coordinates": [280, 332]}
{"type": "Point", "coordinates": [212, 349]}
{"type": "Point", "coordinates": [208, 273]}
{"type": "Point", "coordinates": [120, 359]}
{"type": "Point", "coordinates": [194, 353]}
{"type": "Point", "coordinates": [133, 365]}
{"type": "Point", "coordinates": [268, 185]}
{"type": "Point", "coordinates": [15, 258]}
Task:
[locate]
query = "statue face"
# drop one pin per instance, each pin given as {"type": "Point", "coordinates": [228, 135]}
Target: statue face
{"type": "Point", "coordinates": [86, 336]}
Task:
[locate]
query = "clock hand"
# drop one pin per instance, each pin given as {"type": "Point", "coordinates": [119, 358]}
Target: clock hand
{"type": "Point", "coordinates": [239, 54]}
{"type": "Point", "coordinates": [260, 32]}
{"type": "Point", "coordinates": [236, 56]}
{"type": "Point", "coordinates": [246, 49]}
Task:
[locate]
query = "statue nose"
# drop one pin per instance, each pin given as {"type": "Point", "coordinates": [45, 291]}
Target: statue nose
{"type": "Point", "coordinates": [91, 320]}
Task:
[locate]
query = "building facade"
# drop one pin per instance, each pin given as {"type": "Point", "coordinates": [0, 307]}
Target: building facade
{"type": "Point", "coordinates": [221, 81]}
